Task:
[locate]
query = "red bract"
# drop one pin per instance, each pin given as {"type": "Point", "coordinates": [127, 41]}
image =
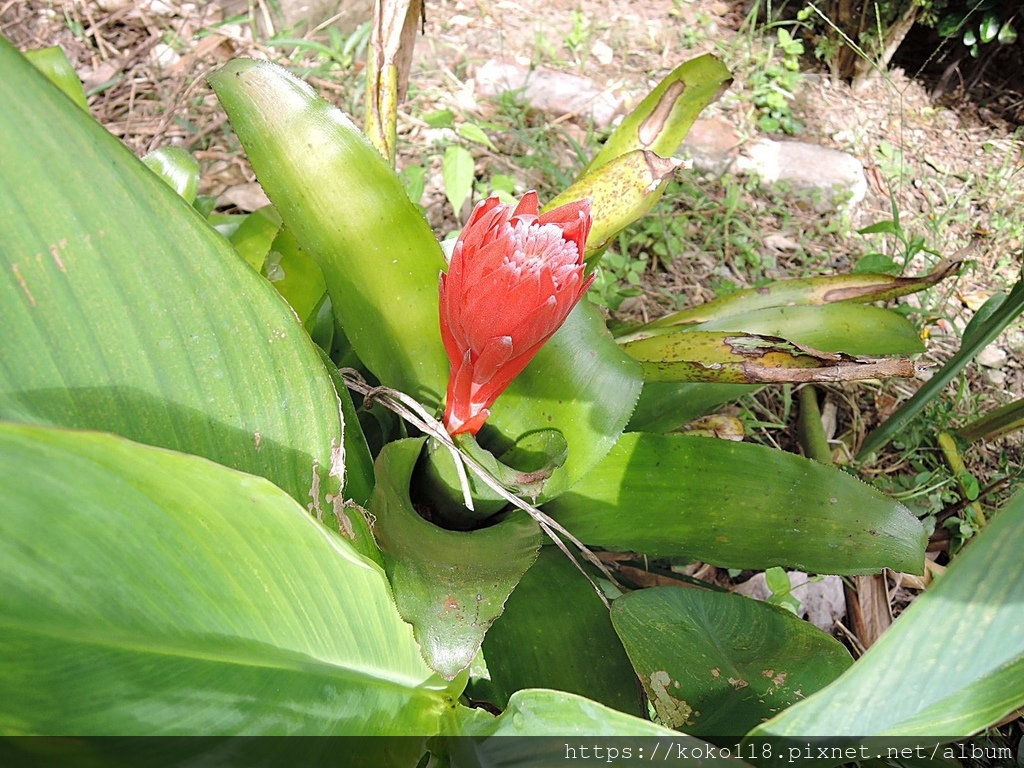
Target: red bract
{"type": "Point", "coordinates": [513, 278]}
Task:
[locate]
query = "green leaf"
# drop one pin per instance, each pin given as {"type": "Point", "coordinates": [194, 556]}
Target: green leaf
{"type": "Point", "coordinates": [801, 291]}
{"type": "Point", "coordinates": [951, 24]}
{"type": "Point", "coordinates": [620, 192]}
{"type": "Point", "coordinates": [146, 592]}
{"type": "Point", "coordinates": [538, 712]}
{"type": "Point", "coordinates": [414, 180]}
{"type": "Point", "coordinates": [1007, 34]}
{"type": "Point", "coordinates": [996, 423]}
{"type": "Point", "coordinates": [738, 505]}
{"type": "Point", "coordinates": [989, 27]}
{"type": "Point", "coordinates": [450, 585]}
{"type": "Point", "coordinates": [358, 462]}
{"type": "Point", "coordinates": [661, 121]}
{"type": "Point", "coordinates": [296, 277]}
{"type": "Point", "coordinates": [715, 664]}
{"type": "Point", "coordinates": [176, 167]}
{"type": "Point", "coordinates": [856, 329]}
{"type": "Point", "coordinates": [950, 665]}
{"type": "Point", "coordinates": [979, 323]}
{"type": "Point", "coordinates": [255, 236]}
{"type": "Point", "coordinates": [554, 633]}
{"type": "Point", "coordinates": [458, 170]}
{"type": "Point", "coordinates": [54, 64]}
{"type": "Point", "coordinates": [887, 227]}
{"type": "Point", "coordinates": [125, 312]}
{"type": "Point", "coordinates": [667, 405]}
{"type": "Point", "coordinates": [582, 384]}
{"type": "Point", "coordinates": [876, 263]}
{"type": "Point", "coordinates": [442, 118]}
{"type": "Point", "coordinates": [347, 208]}
{"type": "Point", "coordinates": [473, 132]}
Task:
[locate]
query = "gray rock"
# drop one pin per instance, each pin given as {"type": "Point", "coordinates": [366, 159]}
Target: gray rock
{"type": "Point", "coordinates": [995, 377]}
{"type": "Point", "coordinates": [992, 356]}
{"type": "Point", "coordinates": [713, 144]}
{"type": "Point", "coordinates": [835, 176]}
{"type": "Point", "coordinates": [556, 93]}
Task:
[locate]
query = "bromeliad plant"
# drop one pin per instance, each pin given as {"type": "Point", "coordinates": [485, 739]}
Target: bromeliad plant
{"type": "Point", "coordinates": [201, 534]}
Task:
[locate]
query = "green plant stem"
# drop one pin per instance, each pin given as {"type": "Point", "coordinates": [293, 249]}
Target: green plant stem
{"type": "Point", "coordinates": [811, 433]}
{"type": "Point", "coordinates": [994, 424]}
{"type": "Point", "coordinates": [956, 465]}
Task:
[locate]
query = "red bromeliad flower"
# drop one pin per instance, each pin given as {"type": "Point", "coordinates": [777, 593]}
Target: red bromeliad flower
{"type": "Point", "coordinates": [512, 280]}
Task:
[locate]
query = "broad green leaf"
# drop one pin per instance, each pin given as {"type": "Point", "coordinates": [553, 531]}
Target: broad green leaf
{"type": "Point", "coordinates": [540, 712]}
{"type": "Point", "coordinates": [146, 592]}
{"type": "Point", "coordinates": [575, 728]}
{"type": "Point", "coordinates": [125, 312]}
{"type": "Point", "coordinates": [726, 357]}
{"type": "Point", "coordinates": [176, 167]}
{"type": "Point", "coordinates": [951, 664]}
{"type": "Point", "coordinates": [348, 209]}
{"type": "Point", "coordinates": [582, 384]}
{"type": "Point", "coordinates": [738, 505]}
{"type": "Point", "coordinates": [856, 329]}
{"type": "Point", "coordinates": [223, 751]}
{"type": "Point", "coordinates": [876, 263]}
{"type": "Point", "coordinates": [450, 585]}
{"type": "Point", "coordinates": [457, 169]}
{"type": "Point", "coordinates": [255, 235]}
{"type": "Point", "coordinates": [951, 24]}
{"type": "Point", "coordinates": [664, 117]}
{"type": "Point", "coordinates": [296, 277]}
{"type": "Point", "coordinates": [716, 664]}
{"type": "Point", "coordinates": [885, 227]}
{"type": "Point", "coordinates": [54, 63]}
{"type": "Point", "coordinates": [357, 461]}
{"type": "Point", "coordinates": [803, 291]}
{"type": "Point", "coordinates": [555, 633]}
{"type": "Point", "coordinates": [664, 406]}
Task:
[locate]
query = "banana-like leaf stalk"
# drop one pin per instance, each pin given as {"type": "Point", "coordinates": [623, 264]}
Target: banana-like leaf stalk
{"type": "Point", "coordinates": [804, 291]}
{"type": "Point", "coordinates": [857, 329]}
{"type": "Point", "coordinates": [735, 358]}
{"type": "Point", "coordinates": [662, 120]}
{"type": "Point", "coordinates": [620, 191]}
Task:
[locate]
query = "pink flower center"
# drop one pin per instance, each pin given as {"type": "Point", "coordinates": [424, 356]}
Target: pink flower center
{"type": "Point", "coordinates": [539, 248]}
